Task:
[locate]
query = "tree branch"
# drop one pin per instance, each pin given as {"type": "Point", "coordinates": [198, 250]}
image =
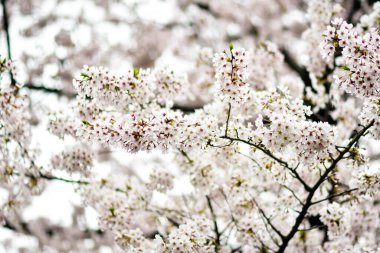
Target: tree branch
{"type": "Point", "coordinates": [268, 221]}
{"type": "Point", "coordinates": [59, 92]}
{"type": "Point", "coordinates": [7, 36]}
{"type": "Point", "coordinates": [70, 95]}
{"type": "Point", "coordinates": [50, 177]}
{"type": "Point", "coordinates": [293, 193]}
{"type": "Point", "coordinates": [262, 149]}
{"type": "Point", "coordinates": [216, 229]}
{"type": "Point", "coordinates": [355, 7]}
{"type": "Point", "coordinates": [334, 196]}
{"type": "Point", "coordinates": [228, 119]}
{"type": "Point", "coordinates": [301, 71]}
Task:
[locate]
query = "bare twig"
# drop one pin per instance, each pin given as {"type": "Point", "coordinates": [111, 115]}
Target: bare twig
{"type": "Point", "coordinates": [268, 221]}
{"type": "Point", "coordinates": [59, 92]}
{"type": "Point", "coordinates": [293, 193]}
{"type": "Point", "coordinates": [6, 29]}
{"type": "Point", "coordinates": [216, 229]}
{"type": "Point", "coordinates": [335, 195]}
{"type": "Point", "coordinates": [228, 119]}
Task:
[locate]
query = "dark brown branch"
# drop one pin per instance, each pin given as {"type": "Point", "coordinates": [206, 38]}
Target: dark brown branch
{"type": "Point", "coordinates": [7, 36]}
{"type": "Point", "coordinates": [264, 150]}
{"type": "Point", "coordinates": [207, 8]}
{"type": "Point", "coordinates": [186, 156]}
{"type": "Point", "coordinates": [293, 193]}
{"type": "Point", "coordinates": [186, 109]}
{"type": "Point", "coordinates": [50, 177]}
{"type": "Point", "coordinates": [23, 228]}
{"type": "Point", "coordinates": [301, 71]}
{"type": "Point", "coordinates": [355, 7]}
{"type": "Point", "coordinates": [238, 249]}
{"type": "Point", "coordinates": [299, 178]}
{"type": "Point", "coordinates": [216, 229]}
{"type": "Point", "coordinates": [73, 181]}
{"type": "Point", "coordinates": [228, 119]}
{"type": "Point", "coordinates": [59, 92]}
{"type": "Point", "coordinates": [269, 222]}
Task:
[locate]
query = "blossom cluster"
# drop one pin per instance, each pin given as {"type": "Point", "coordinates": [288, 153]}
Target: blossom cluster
{"type": "Point", "coordinates": [265, 64]}
{"type": "Point", "coordinates": [188, 237]}
{"type": "Point", "coordinates": [371, 111]}
{"type": "Point", "coordinates": [135, 132]}
{"type": "Point", "coordinates": [337, 219]}
{"type": "Point", "coordinates": [77, 159]}
{"type": "Point", "coordinates": [360, 61]}
{"type": "Point", "coordinates": [316, 141]}
{"type": "Point", "coordinates": [198, 130]}
{"type": "Point", "coordinates": [368, 180]}
{"type": "Point", "coordinates": [109, 89]}
{"type": "Point", "coordinates": [61, 124]}
{"type": "Point", "coordinates": [312, 141]}
{"type": "Point", "coordinates": [319, 14]}
{"type": "Point", "coordinates": [231, 74]}
{"type": "Point", "coordinates": [162, 180]}
{"type": "Point", "coordinates": [283, 126]}
{"type": "Point", "coordinates": [168, 84]}
{"type": "Point", "coordinates": [14, 115]}
{"type": "Point", "coordinates": [137, 87]}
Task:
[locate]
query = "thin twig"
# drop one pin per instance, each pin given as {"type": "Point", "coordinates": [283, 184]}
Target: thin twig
{"type": "Point", "coordinates": [264, 150]}
{"type": "Point", "coordinates": [334, 196]}
{"type": "Point", "coordinates": [293, 193]}
{"type": "Point", "coordinates": [216, 229]}
{"type": "Point", "coordinates": [59, 92]}
{"type": "Point", "coordinates": [50, 177]}
{"type": "Point", "coordinates": [186, 156]}
{"type": "Point", "coordinates": [268, 221]}
{"type": "Point", "coordinates": [228, 119]}
{"type": "Point", "coordinates": [251, 158]}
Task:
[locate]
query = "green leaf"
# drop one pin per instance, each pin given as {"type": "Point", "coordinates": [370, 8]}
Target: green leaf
{"type": "Point", "coordinates": [136, 72]}
{"type": "Point", "coordinates": [86, 123]}
{"type": "Point", "coordinates": [84, 75]}
{"type": "Point", "coordinates": [231, 46]}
